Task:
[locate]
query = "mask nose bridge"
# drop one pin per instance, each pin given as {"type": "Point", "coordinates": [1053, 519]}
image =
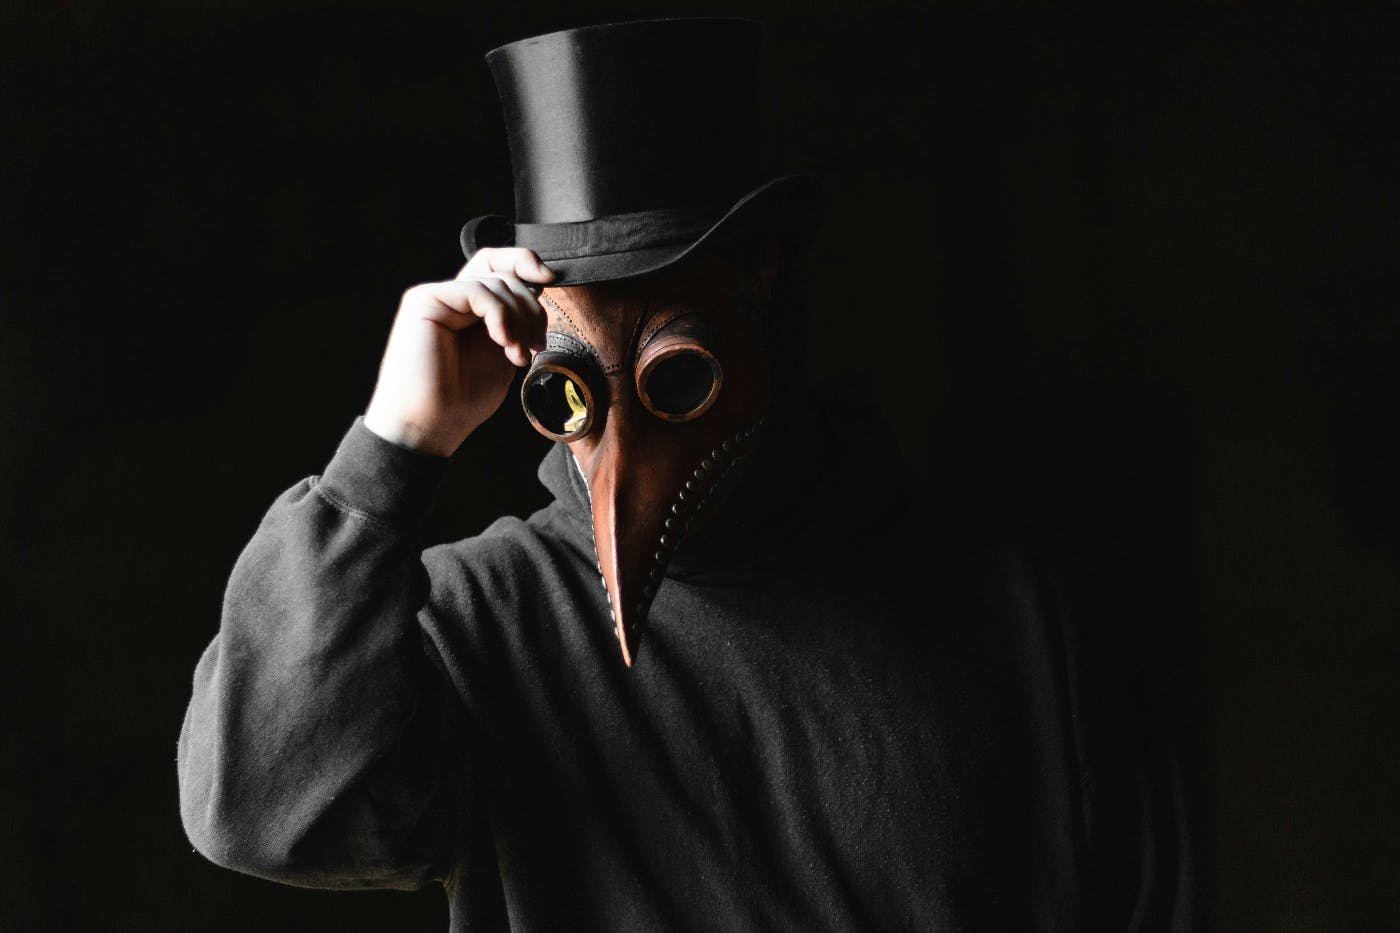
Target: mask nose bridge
{"type": "Point", "coordinates": [614, 330]}
{"type": "Point", "coordinates": [598, 326]}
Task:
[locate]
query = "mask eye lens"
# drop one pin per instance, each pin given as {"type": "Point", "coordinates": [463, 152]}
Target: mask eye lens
{"type": "Point", "coordinates": [678, 376]}
{"type": "Point", "coordinates": [557, 400]}
{"type": "Point", "coordinates": [678, 386]}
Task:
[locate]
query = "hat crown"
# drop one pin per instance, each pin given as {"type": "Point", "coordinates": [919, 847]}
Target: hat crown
{"type": "Point", "coordinates": [633, 116]}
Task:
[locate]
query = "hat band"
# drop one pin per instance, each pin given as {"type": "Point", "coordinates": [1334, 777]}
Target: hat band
{"type": "Point", "coordinates": [617, 233]}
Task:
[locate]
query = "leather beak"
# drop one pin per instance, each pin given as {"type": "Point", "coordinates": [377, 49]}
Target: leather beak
{"type": "Point", "coordinates": [649, 481]}
{"type": "Point", "coordinates": [632, 495]}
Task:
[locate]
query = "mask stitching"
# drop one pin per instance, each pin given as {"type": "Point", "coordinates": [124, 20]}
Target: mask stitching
{"type": "Point", "coordinates": [658, 321]}
{"type": "Point", "coordinates": [578, 335]}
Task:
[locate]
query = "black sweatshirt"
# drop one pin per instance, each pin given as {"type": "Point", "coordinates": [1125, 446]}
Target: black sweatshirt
{"type": "Point", "coordinates": [850, 710]}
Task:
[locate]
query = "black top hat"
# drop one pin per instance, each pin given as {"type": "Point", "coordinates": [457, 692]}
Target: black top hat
{"type": "Point", "coordinates": [634, 144]}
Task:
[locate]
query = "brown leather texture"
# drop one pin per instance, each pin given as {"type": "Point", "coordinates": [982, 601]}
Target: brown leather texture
{"type": "Point", "coordinates": [652, 479]}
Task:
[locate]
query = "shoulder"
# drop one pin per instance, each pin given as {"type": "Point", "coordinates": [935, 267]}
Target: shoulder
{"type": "Point", "coordinates": [511, 551]}
{"type": "Point", "coordinates": [505, 607]}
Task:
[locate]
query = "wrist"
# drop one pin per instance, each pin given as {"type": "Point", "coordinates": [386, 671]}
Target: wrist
{"type": "Point", "coordinates": [410, 434]}
{"type": "Point", "coordinates": [373, 476]}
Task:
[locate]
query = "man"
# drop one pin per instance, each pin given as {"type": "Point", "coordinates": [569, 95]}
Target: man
{"type": "Point", "coordinates": [742, 673]}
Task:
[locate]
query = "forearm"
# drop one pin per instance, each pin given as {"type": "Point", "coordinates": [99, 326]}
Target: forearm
{"type": "Point", "coordinates": [312, 747]}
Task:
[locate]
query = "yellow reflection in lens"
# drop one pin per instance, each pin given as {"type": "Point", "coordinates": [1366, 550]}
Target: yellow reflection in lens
{"type": "Point", "coordinates": [580, 411]}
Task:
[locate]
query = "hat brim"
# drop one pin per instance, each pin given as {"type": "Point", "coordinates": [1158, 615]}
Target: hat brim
{"type": "Point", "coordinates": [789, 202]}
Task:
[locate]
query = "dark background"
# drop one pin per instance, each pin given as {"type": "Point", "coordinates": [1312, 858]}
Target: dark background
{"type": "Point", "coordinates": [1125, 279]}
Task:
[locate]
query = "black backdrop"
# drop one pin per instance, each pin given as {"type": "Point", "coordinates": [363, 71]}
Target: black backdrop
{"type": "Point", "coordinates": [1125, 280]}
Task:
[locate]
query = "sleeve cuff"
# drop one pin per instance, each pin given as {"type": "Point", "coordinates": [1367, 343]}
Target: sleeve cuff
{"type": "Point", "coordinates": [380, 479]}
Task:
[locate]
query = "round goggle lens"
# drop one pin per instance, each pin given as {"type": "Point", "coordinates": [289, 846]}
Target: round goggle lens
{"type": "Point", "coordinates": [680, 384]}
{"type": "Point", "coordinates": [556, 403]}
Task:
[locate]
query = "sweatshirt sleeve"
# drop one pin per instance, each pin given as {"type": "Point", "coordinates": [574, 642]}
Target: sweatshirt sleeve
{"type": "Point", "coordinates": [314, 749]}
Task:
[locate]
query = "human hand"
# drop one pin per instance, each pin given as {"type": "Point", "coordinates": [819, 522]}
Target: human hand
{"type": "Point", "coordinates": [453, 348]}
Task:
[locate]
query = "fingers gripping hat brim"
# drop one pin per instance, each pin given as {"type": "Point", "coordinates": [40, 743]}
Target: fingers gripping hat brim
{"type": "Point", "coordinates": [624, 246]}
